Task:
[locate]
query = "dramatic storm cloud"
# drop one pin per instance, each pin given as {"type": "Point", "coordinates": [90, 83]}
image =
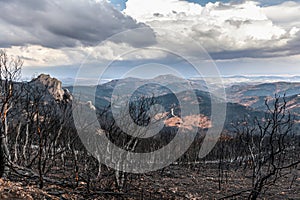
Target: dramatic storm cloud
{"type": "Point", "coordinates": [67, 23]}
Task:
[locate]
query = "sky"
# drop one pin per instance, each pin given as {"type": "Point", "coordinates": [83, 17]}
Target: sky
{"type": "Point", "coordinates": [121, 4]}
{"type": "Point", "coordinates": [240, 37]}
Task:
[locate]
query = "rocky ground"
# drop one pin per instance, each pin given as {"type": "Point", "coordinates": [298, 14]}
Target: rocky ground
{"type": "Point", "coordinates": [174, 182]}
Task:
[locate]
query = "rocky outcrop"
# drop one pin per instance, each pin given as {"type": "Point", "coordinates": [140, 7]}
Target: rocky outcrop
{"type": "Point", "coordinates": [44, 91]}
{"type": "Point", "coordinates": [53, 86]}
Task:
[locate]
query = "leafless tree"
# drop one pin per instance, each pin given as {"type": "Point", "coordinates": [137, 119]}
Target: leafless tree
{"type": "Point", "coordinates": [10, 71]}
{"type": "Point", "coordinates": [268, 144]}
{"type": "Point", "coordinates": [139, 113]}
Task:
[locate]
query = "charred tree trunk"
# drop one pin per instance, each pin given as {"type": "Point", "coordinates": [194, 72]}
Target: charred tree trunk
{"type": "Point", "coordinates": [2, 158]}
{"type": "Point", "coordinates": [4, 149]}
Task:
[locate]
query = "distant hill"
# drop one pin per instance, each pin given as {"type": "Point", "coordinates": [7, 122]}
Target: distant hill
{"type": "Point", "coordinates": [255, 95]}
{"type": "Point", "coordinates": [167, 98]}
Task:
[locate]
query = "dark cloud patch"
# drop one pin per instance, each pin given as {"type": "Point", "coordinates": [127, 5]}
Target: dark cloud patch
{"type": "Point", "coordinates": [238, 23]}
{"type": "Point", "coordinates": [290, 49]}
{"type": "Point", "coordinates": [295, 43]}
{"type": "Point", "coordinates": [27, 58]}
{"type": "Point", "coordinates": [134, 38]}
{"type": "Point", "coordinates": [161, 15]}
{"type": "Point", "coordinates": [235, 54]}
{"type": "Point", "coordinates": [67, 23]}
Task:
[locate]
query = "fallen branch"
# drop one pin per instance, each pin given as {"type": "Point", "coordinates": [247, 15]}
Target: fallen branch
{"type": "Point", "coordinates": [25, 172]}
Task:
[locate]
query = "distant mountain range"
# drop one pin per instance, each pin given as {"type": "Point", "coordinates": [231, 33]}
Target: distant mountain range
{"type": "Point", "coordinates": [227, 80]}
{"type": "Point", "coordinates": [243, 100]}
{"type": "Point", "coordinates": [255, 95]}
{"type": "Point", "coordinates": [166, 97]}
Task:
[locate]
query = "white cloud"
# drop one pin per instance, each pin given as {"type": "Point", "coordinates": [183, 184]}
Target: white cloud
{"type": "Point", "coordinates": [286, 14]}
{"type": "Point", "coordinates": [39, 56]}
{"type": "Point", "coordinates": [218, 27]}
{"type": "Point", "coordinates": [144, 11]}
